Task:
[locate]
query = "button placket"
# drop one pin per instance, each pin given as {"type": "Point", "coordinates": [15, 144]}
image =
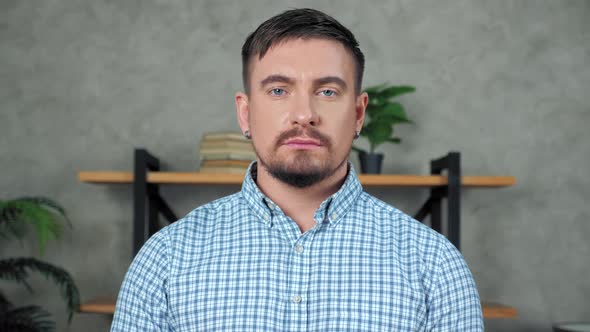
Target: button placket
{"type": "Point", "coordinates": [299, 278]}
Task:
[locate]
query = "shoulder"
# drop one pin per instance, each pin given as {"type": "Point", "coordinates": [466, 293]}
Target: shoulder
{"type": "Point", "coordinates": [413, 240]}
{"type": "Point", "coordinates": [186, 238]}
{"type": "Point", "coordinates": [439, 262]}
{"type": "Point", "coordinates": [205, 216]}
{"type": "Point", "coordinates": [399, 222]}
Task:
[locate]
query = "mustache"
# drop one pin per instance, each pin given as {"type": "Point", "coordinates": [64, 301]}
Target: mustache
{"type": "Point", "coordinates": [298, 132]}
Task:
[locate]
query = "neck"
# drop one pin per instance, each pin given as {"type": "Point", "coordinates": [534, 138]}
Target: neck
{"type": "Point", "coordinates": [300, 203]}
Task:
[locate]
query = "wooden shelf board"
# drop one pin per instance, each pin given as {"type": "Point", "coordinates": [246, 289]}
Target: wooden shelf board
{"type": "Point", "coordinates": [496, 310]}
{"type": "Point", "coordinates": [106, 305]}
{"type": "Point", "coordinates": [111, 177]}
{"type": "Point", "coordinates": [99, 305]}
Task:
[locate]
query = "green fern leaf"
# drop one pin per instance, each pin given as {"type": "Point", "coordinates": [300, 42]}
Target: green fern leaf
{"type": "Point", "coordinates": [26, 319]}
{"type": "Point", "coordinates": [17, 269]}
{"type": "Point", "coordinates": [41, 213]}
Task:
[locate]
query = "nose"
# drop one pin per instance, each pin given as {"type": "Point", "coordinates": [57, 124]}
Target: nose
{"type": "Point", "coordinates": [304, 112]}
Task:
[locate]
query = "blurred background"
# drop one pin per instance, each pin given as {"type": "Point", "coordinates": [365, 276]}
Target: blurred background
{"type": "Point", "coordinates": [506, 83]}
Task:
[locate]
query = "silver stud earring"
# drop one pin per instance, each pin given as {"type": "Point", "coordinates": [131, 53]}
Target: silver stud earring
{"type": "Point", "coordinates": [247, 134]}
{"type": "Point", "coordinates": [357, 134]}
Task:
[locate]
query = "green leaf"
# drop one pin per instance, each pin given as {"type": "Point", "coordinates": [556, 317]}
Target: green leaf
{"type": "Point", "coordinates": [41, 213]}
{"type": "Point", "coordinates": [47, 203]}
{"type": "Point", "coordinates": [378, 133]}
{"type": "Point", "coordinates": [4, 303]}
{"type": "Point", "coordinates": [17, 269]}
{"type": "Point", "coordinates": [382, 113]}
{"type": "Point", "coordinates": [10, 226]}
{"type": "Point", "coordinates": [373, 110]}
{"type": "Point", "coordinates": [26, 319]}
{"type": "Point", "coordinates": [392, 113]}
{"type": "Point", "coordinates": [44, 222]}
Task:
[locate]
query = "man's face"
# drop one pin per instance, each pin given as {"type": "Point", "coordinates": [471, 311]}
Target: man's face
{"type": "Point", "coordinates": [302, 110]}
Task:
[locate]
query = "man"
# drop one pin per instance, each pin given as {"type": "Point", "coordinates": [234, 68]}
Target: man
{"type": "Point", "coordinates": [301, 247]}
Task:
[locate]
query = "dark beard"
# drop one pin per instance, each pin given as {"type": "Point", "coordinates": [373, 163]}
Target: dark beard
{"type": "Point", "coordinates": [294, 175]}
{"type": "Point", "coordinates": [298, 179]}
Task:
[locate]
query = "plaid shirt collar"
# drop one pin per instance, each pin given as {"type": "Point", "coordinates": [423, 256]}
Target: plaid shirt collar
{"type": "Point", "coordinates": [330, 211]}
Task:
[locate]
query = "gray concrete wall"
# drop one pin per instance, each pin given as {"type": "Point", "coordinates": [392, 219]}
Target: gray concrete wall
{"type": "Point", "coordinates": [505, 82]}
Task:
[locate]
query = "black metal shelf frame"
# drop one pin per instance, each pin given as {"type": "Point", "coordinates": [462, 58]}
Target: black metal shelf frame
{"type": "Point", "coordinates": [148, 203]}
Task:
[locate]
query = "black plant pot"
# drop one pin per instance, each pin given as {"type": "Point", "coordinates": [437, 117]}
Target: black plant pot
{"type": "Point", "coordinates": [370, 162]}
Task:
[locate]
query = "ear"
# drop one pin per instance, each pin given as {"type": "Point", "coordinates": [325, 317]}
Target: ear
{"type": "Point", "coordinates": [243, 111]}
{"type": "Point", "coordinates": [362, 101]}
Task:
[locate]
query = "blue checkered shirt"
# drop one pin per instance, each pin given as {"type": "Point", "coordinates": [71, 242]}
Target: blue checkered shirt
{"type": "Point", "coordinates": [240, 264]}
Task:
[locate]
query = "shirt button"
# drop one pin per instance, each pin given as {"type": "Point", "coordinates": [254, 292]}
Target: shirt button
{"type": "Point", "coordinates": [296, 299]}
{"type": "Point", "coordinates": [299, 248]}
{"type": "Point", "coordinates": [334, 216]}
{"type": "Point", "coordinates": [266, 217]}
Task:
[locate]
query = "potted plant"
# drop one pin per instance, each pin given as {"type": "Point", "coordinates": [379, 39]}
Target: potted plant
{"type": "Point", "coordinates": [382, 113]}
{"type": "Point", "coordinates": [44, 215]}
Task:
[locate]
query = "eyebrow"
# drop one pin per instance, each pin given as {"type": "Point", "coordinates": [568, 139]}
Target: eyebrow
{"type": "Point", "coordinates": [277, 79]}
{"type": "Point", "coordinates": [331, 79]}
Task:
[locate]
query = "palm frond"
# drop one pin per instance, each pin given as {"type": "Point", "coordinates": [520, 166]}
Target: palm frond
{"type": "Point", "coordinates": [13, 271]}
{"type": "Point", "coordinates": [4, 303]}
{"type": "Point", "coordinates": [9, 222]}
{"type": "Point", "coordinates": [47, 203]}
{"type": "Point", "coordinates": [17, 269]}
{"type": "Point", "coordinates": [26, 319]}
{"type": "Point", "coordinates": [42, 213]}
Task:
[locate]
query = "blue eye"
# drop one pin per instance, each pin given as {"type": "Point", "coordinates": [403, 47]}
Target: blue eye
{"type": "Point", "coordinates": [328, 93]}
{"type": "Point", "coordinates": [277, 92]}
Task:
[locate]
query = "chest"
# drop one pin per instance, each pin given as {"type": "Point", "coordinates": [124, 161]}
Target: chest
{"type": "Point", "coordinates": [319, 281]}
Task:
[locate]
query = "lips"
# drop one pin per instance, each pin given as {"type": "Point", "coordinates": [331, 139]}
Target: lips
{"type": "Point", "coordinates": [299, 140]}
{"type": "Point", "coordinates": [303, 143]}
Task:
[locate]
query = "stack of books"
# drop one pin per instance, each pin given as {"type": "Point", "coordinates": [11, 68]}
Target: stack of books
{"type": "Point", "coordinates": [226, 152]}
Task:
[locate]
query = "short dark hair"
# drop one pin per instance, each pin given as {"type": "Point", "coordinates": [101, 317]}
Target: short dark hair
{"type": "Point", "coordinates": [300, 23]}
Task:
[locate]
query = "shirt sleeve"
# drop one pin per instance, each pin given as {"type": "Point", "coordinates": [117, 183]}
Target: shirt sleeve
{"type": "Point", "coordinates": [454, 304]}
{"type": "Point", "coordinates": [142, 301]}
